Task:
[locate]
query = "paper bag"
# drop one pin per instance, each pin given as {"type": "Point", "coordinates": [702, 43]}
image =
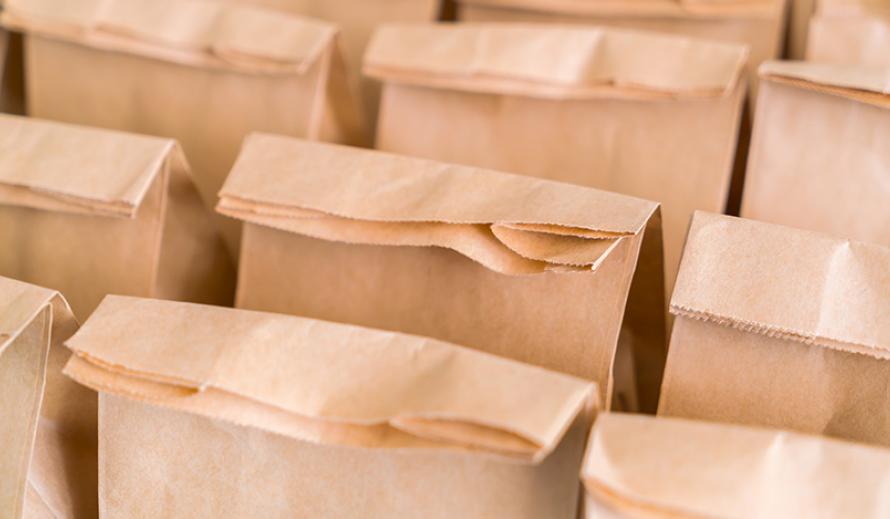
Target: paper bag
{"type": "Point", "coordinates": [800, 12]}
{"type": "Point", "coordinates": [358, 19]}
{"type": "Point", "coordinates": [782, 328]}
{"type": "Point", "coordinates": [202, 72]}
{"type": "Point", "coordinates": [643, 467]}
{"type": "Point", "coordinates": [47, 423]}
{"type": "Point", "coordinates": [819, 156]}
{"type": "Point", "coordinates": [92, 212]}
{"type": "Point", "coordinates": [586, 106]}
{"type": "Point", "coordinates": [214, 412]}
{"type": "Point", "coordinates": [529, 269]}
{"type": "Point", "coordinates": [757, 24]}
{"type": "Point", "coordinates": [850, 31]}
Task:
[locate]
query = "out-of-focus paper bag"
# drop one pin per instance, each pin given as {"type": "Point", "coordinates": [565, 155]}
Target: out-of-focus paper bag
{"type": "Point", "coordinates": [800, 13]}
{"type": "Point", "coordinates": [234, 413]}
{"type": "Point", "coordinates": [782, 328]}
{"type": "Point", "coordinates": [92, 212]}
{"type": "Point", "coordinates": [47, 422]}
{"type": "Point", "coordinates": [819, 155]}
{"type": "Point", "coordinates": [587, 106]}
{"type": "Point", "coordinates": [850, 31]}
{"type": "Point", "coordinates": [202, 72]}
{"type": "Point", "coordinates": [534, 270]}
{"type": "Point", "coordinates": [644, 467]}
{"type": "Point", "coordinates": [758, 24]}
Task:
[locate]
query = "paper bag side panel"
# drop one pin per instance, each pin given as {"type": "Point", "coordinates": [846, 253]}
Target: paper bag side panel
{"type": "Point", "coordinates": [820, 162]}
{"type": "Point", "coordinates": [84, 257]}
{"type": "Point", "coordinates": [721, 374]}
{"type": "Point", "coordinates": [208, 111]}
{"type": "Point", "coordinates": [764, 36]}
{"type": "Point", "coordinates": [194, 264]}
{"type": "Point", "coordinates": [860, 40]}
{"type": "Point", "coordinates": [22, 379]}
{"type": "Point", "coordinates": [192, 466]}
{"type": "Point", "coordinates": [677, 152]}
{"type": "Point", "coordinates": [439, 293]}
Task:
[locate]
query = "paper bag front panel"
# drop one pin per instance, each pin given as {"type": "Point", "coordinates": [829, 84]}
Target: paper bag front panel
{"type": "Point", "coordinates": [192, 466]}
{"type": "Point", "coordinates": [565, 321]}
{"type": "Point", "coordinates": [678, 151]}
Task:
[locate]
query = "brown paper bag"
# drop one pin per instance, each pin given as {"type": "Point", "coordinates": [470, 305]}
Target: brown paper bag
{"type": "Point", "coordinates": [819, 156]}
{"type": "Point", "coordinates": [851, 31]}
{"type": "Point", "coordinates": [800, 13]}
{"type": "Point", "coordinates": [47, 423]}
{"type": "Point", "coordinates": [529, 269]}
{"type": "Point", "coordinates": [92, 212]}
{"type": "Point", "coordinates": [781, 328]}
{"type": "Point", "coordinates": [643, 467]}
{"type": "Point", "coordinates": [202, 72]}
{"type": "Point", "coordinates": [758, 24]}
{"type": "Point", "coordinates": [234, 413]}
{"type": "Point", "coordinates": [586, 106]}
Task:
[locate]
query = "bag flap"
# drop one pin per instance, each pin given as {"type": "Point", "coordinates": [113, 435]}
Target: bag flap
{"type": "Point", "coordinates": [665, 467]}
{"type": "Point", "coordinates": [508, 223]}
{"type": "Point", "coordinates": [645, 8]}
{"type": "Point", "coordinates": [864, 83]}
{"type": "Point", "coordinates": [67, 168]}
{"type": "Point", "coordinates": [324, 382]}
{"type": "Point", "coordinates": [20, 303]}
{"type": "Point", "coordinates": [194, 32]}
{"type": "Point", "coordinates": [786, 283]}
{"type": "Point", "coordinates": [557, 62]}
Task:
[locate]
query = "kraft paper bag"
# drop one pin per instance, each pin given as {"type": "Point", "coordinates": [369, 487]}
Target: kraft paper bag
{"type": "Point", "coordinates": [782, 328]}
{"type": "Point", "coordinates": [358, 19]}
{"type": "Point", "coordinates": [644, 467]}
{"type": "Point", "coordinates": [851, 31]}
{"type": "Point", "coordinates": [91, 212]}
{"type": "Point", "coordinates": [799, 14]}
{"type": "Point", "coordinates": [819, 156]}
{"type": "Point", "coordinates": [202, 72]}
{"type": "Point", "coordinates": [47, 422]}
{"type": "Point", "coordinates": [215, 412]}
{"type": "Point", "coordinates": [757, 24]}
{"type": "Point", "coordinates": [587, 106]}
{"type": "Point", "coordinates": [529, 269]}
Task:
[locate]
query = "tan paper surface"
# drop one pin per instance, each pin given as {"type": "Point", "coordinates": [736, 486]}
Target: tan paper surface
{"type": "Point", "coordinates": [758, 24]}
{"type": "Point", "coordinates": [850, 31]}
{"type": "Point", "coordinates": [586, 106]}
{"type": "Point", "coordinates": [643, 467]}
{"type": "Point", "coordinates": [202, 72]}
{"type": "Point", "coordinates": [529, 269]}
{"type": "Point", "coordinates": [782, 328]}
{"type": "Point", "coordinates": [819, 157]}
{"type": "Point", "coordinates": [277, 416]}
{"type": "Point", "coordinates": [93, 212]}
{"type": "Point", "coordinates": [47, 423]}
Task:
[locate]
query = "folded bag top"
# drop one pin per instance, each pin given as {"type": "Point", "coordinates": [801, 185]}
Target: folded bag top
{"type": "Point", "coordinates": [194, 32]}
{"type": "Point", "coordinates": [864, 83]}
{"type": "Point", "coordinates": [643, 8]}
{"type": "Point", "coordinates": [21, 302]}
{"type": "Point", "coordinates": [789, 284]}
{"type": "Point", "coordinates": [67, 168]}
{"type": "Point", "coordinates": [654, 467]}
{"type": "Point", "coordinates": [548, 61]}
{"type": "Point", "coordinates": [323, 382]}
{"type": "Point", "coordinates": [511, 224]}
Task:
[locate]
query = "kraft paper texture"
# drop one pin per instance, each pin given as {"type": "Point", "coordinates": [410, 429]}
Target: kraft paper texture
{"type": "Point", "coordinates": [643, 467]}
{"type": "Point", "coordinates": [203, 72]}
{"type": "Point", "coordinates": [91, 212]}
{"type": "Point", "coordinates": [529, 269]}
{"type": "Point", "coordinates": [782, 328]}
{"type": "Point", "coordinates": [850, 31]}
{"type": "Point", "coordinates": [580, 105]}
{"type": "Point", "coordinates": [757, 24]}
{"type": "Point", "coordinates": [819, 156]}
{"type": "Point", "coordinates": [238, 413]}
{"type": "Point", "coordinates": [47, 423]}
